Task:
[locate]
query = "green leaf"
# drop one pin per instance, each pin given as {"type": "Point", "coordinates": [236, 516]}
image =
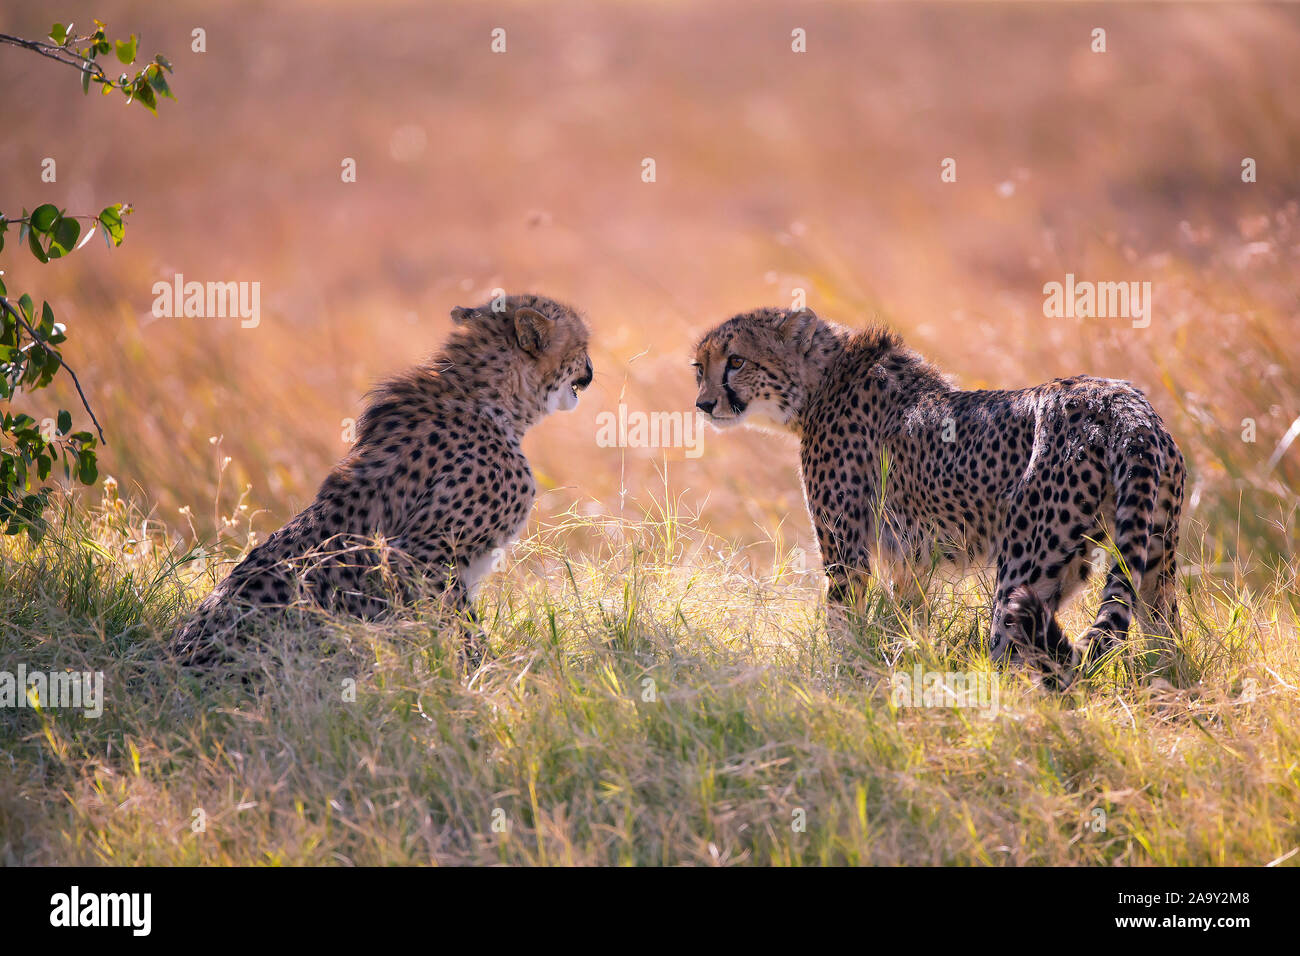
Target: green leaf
{"type": "Point", "coordinates": [85, 79]}
{"type": "Point", "coordinates": [163, 62]}
{"type": "Point", "coordinates": [158, 81]}
{"type": "Point", "coordinates": [35, 245]}
{"type": "Point", "coordinates": [58, 33]}
{"type": "Point", "coordinates": [47, 320]}
{"type": "Point", "coordinates": [35, 531]}
{"type": "Point", "coordinates": [111, 220]}
{"type": "Point", "coordinates": [87, 470]}
{"type": "Point", "coordinates": [66, 232]}
{"type": "Point", "coordinates": [25, 303]}
{"type": "Point", "coordinates": [145, 94]}
{"type": "Point", "coordinates": [126, 50]}
{"type": "Point", "coordinates": [65, 421]}
{"type": "Point", "coordinates": [44, 217]}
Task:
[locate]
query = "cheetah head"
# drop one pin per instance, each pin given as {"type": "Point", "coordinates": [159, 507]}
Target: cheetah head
{"type": "Point", "coordinates": [755, 367]}
{"type": "Point", "coordinates": [543, 344]}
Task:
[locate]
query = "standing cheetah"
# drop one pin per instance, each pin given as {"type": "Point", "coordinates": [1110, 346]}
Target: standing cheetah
{"type": "Point", "coordinates": [903, 471]}
{"type": "Point", "coordinates": [434, 485]}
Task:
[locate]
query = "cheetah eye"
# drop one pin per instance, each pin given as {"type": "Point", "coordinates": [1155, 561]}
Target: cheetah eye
{"type": "Point", "coordinates": [699, 370]}
{"type": "Point", "coordinates": [735, 362]}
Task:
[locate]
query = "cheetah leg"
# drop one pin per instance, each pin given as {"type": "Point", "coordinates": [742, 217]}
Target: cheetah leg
{"type": "Point", "coordinates": [1135, 503]}
{"type": "Point", "coordinates": [475, 644]}
{"type": "Point", "coordinates": [904, 582]}
{"type": "Point", "coordinates": [459, 609]}
{"type": "Point", "coordinates": [1012, 575]}
{"type": "Point", "coordinates": [1025, 626]}
{"type": "Point", "coordinates": [1158, 600]}
{"type": "Point", "coordinates": [1031, 585]}
{"type": "Point", "coordinates": [1158, 606]}
{"type": "Point", "coordinates": [845, 600]}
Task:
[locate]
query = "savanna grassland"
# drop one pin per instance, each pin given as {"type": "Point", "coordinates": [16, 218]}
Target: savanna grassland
{"type": "Point", "coordinates": [661, 687]}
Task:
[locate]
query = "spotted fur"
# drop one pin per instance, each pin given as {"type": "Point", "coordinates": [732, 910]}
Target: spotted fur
{"type": "Point", "coordinates": [435, 484]}
{"type": "Point", "coordinates": [903, 471]}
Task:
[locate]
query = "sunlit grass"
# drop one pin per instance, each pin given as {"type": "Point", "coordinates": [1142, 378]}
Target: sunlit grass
{"type": "Point", "coordinates": [648, 700]}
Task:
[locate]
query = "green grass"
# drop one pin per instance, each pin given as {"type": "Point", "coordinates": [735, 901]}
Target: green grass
{"type": "Point", "coordinates": [757, 722]}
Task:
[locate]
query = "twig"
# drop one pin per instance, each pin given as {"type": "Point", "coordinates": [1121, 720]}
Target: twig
{"type": "Point", "coordinates": [28, 220]}
{"type": "Point", "coordinates": [59, 54]}
{"type": "Point", "coordinates": [68, 368]}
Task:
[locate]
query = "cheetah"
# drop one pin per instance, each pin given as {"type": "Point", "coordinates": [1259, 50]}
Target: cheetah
{"type": "Point", "coordinates": [904, 472]}
{"type": "Point", "coordinates": [434, 486]}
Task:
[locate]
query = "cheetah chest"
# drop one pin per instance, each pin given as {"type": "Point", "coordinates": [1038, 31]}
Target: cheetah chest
{"type": "Point", "coordinates": [477, 568]}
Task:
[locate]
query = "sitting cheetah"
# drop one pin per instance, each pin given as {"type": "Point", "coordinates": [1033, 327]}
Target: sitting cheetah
{"type": "Point", "coordinates": [903, 471]}
{"type": "Point", "coordinates": [434, 485]}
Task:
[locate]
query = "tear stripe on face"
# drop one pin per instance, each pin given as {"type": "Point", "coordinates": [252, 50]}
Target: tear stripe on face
{"type": "Point", "coordinates": [737, 406]}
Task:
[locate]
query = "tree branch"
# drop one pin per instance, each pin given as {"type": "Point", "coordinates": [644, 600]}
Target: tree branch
{"type": "Point", "coordinates": [4, 302]}
{"type": "Point", "coordinates": [57, 53]}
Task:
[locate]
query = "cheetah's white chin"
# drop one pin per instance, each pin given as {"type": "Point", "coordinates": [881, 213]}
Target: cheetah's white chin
{"type": "Point", "coordinates": [563, 399]}
{"type": "Point", "coordinates": [764, 414]}
{"type": "Point", "coordinates": [731, 421]}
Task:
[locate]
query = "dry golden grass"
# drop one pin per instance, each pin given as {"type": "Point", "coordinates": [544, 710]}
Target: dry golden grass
{"type": "Point", "coordinates": [776, 171]}
{"type": "Point", "coordinates": [647, 701]}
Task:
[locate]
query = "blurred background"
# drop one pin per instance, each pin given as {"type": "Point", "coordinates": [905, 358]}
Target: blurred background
{"type": "Point", "coordinates": [775, 171]}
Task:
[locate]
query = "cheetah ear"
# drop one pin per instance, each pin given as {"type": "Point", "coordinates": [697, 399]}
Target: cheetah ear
{"type": "Point", "coordinates": [533, 330]}
{"type": "Point", "coordinates": [460, 315]}
{"type": "Point", "coordinates": [797, 325]}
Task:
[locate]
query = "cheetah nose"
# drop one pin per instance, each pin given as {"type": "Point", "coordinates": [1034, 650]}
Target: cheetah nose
{"type": "Point", "coordinates": [706, 407]}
